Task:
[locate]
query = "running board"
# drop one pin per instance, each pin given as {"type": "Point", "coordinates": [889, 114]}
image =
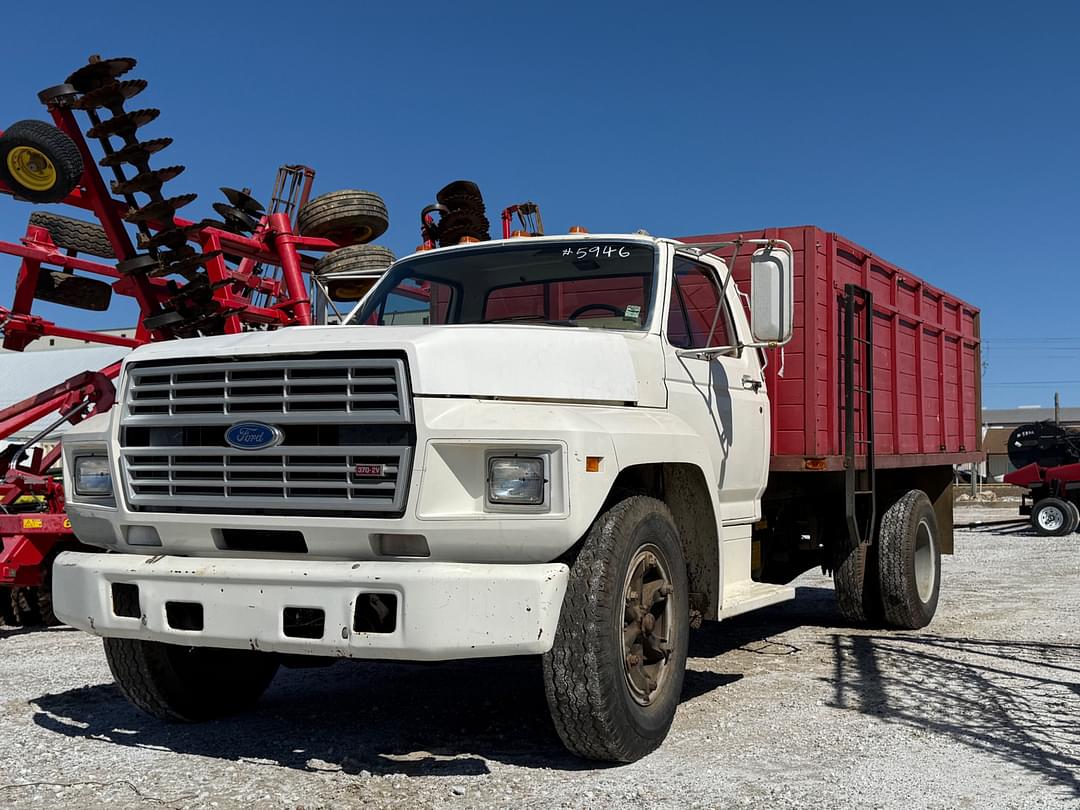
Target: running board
{"type": "Point", "coordinates": [747, 595]}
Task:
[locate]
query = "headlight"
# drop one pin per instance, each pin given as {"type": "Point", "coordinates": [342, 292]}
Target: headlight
{"type": "Point", "coordinates": [516, 480]}
{"type": "Point", "coordinates": [92, 476]}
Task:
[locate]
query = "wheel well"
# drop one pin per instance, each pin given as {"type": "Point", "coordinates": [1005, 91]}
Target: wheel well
{"type": "Point", "coordinates": [683, 488]}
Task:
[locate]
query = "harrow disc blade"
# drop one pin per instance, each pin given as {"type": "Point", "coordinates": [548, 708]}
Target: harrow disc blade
{"type": "Point", "coordinates": [111, 95]}
{"type": "Point", "coordinates": [235, 219]}
{"type": "Point", "coordinates": [146, 181]}
{"type": "Point", "coordinates": [243, 200]}
{"type": "Point", "coordinates": [184, 266]}
{"type": "Point", "coordinates": [135, 153]}
{"type": "Point", "coordinates": [125, 124]}
{"type": "Point", "coordinates": [167, 318]}
{"type": "Point", "coordinates": [99, 72]}
{"type": "Point", "coordinates": [170, 237]}
{"type": "Point", "coordinates": [160, 211]}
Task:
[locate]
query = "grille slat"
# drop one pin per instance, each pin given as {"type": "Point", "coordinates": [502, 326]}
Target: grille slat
{"type": "Point", "coordinates": [311, 399]}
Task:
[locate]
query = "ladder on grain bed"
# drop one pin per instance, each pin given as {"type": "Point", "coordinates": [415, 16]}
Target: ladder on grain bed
{"type": "Point", "coordinates": [860, 495]}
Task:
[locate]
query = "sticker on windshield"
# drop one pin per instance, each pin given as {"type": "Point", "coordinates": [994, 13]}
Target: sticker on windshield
{"type": "Point", "coordinates": [596, 251]}
{"type": "Point", "coordinates": [632, 313]}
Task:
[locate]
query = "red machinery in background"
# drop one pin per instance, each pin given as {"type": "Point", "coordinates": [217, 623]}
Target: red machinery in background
{"type": "Point", "coordinates": [189, 278]}
{"type": "Point", "coordinates": [1046, 458]}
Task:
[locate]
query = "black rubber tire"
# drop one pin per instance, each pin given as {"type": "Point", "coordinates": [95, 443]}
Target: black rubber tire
{"type": "Point", "coordinates": [43, 595]}
{"type": "Point", "coordinates": [74, 234]}
{"type": "Point", "coordinates": [590, 702]}
{"type": "Point", "coordinates": [857, 584]}
{"type": "Point", "coordinates": [188, 684]}
{"type": "Point", "coordinates": [25, 606]}
{"type": "Point", "coordinates": [1058, 505]}
{"type": "Point", "coordinates": [56, 146]}
{"type": "Point", "coordinates": [354, 259]}
{"type": "Point", "coordinates": [348, 217]}
{"type": "Point", "coordinates": [1076, 515]}
{"type": "Point", "coordinates": [7, 607]}
{"type": "Point", "coordinates": [907, 543]}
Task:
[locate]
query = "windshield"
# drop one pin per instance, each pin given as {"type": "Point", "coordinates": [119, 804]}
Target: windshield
{"type": "Point", "coordinates": [608, 285]}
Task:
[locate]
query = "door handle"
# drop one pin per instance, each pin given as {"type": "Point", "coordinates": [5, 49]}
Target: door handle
{"type": "Point", "coordinates": [750, 383]}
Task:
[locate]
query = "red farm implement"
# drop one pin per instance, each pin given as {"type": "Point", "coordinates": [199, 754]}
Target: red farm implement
{"type": "Point", "coordinates": [249, 270]}
{"type": "Point", "coordinates": [1047, 461]}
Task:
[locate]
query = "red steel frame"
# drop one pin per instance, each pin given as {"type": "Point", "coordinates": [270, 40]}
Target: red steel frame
{"type": "Point", "coordinates": [29, 538]}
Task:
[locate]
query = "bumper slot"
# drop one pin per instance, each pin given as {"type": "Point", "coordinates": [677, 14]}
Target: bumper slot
{"type": "Point", "coordinates": [186, 616]}
{"type": "Point", "coordinates": [125, 600]}
{"type": "Point", "coordinates": [299, 622]}
{"type": "Point", "coordinates": [375, 613]}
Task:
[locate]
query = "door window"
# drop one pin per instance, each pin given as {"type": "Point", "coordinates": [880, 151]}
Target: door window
{"type": "Point", "coordinates": [695, 293]}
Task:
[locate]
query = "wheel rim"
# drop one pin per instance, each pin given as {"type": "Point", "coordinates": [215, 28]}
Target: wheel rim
{"type": "Point", "coordinates": [1051, 518]}
{"type": "Point", "coordinates": [925, 562]}
{"type": "Point", "coordinates": [647, 624]}
{"type": "Point", "coordinates": [31, 168]}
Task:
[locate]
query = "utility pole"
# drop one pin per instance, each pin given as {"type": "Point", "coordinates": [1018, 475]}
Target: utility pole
{"type": "Point", "coordinates": [1057, 408]}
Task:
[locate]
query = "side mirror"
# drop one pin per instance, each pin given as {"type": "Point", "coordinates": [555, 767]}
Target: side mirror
{"type": "Point", "coordinates": [772, 294]}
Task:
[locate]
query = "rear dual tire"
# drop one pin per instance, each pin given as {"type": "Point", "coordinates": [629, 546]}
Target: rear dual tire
{"type": "Point", "coordinates": [896, 580]}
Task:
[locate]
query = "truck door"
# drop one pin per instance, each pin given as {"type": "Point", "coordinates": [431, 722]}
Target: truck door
{"type": "Point", "coordinates": [722, 397]}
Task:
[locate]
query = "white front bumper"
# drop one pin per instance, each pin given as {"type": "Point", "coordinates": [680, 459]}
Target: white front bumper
{"type": "Point", "coordinates": [444, 610]}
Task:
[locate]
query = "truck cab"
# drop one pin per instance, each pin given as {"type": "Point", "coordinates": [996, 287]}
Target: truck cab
{"type": "Point", "coordinates": [553, 446]}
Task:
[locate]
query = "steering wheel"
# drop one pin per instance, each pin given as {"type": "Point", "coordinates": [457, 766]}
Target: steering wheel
{"type": "Point", "coordinates": [586, 307]}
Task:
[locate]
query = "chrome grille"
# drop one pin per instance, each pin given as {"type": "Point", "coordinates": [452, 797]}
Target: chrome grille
{"type": "Point", "coordinates": [347, 437]}
{"type": "Point", "coordinates": [293, 389]}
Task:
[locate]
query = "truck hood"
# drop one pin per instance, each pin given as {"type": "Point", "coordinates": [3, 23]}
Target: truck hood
{"type": "Point", "coordinates": [514, 362]}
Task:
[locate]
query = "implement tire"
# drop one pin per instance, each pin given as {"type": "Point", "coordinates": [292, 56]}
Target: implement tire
{"type": "Point", "coordinates": [909, 557]}
{"type": "Point", "coordinates": [188, 684]}
{"type": "Point", "coordinates": [25, 607]}
{"type": "Point", "coordinates": [614, 674]}
{"type": "Point", "coordinates": [38, 162]}
{"type": "Point", "coordinates": [75, 234]}
{"type": "Point", "coordinates": [7, 607]}
{"type": "Point", "coordinates": [1053, 517]}
{"type": "Point", "coordinates": [354, 259]}
{"type": "Point", "coordinates": [348, 217]}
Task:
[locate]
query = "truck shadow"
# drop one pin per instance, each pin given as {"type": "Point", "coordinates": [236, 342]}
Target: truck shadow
{"type": "Point", "coordinates": [445, 719]}
{"type": "Point", "coordinates": [1016, 700]}
{"type": "Point", "coordinates": [453, 718]}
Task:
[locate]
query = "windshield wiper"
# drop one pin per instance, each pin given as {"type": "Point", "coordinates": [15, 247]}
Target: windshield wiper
{"type": "Point", "coordinates": [528, 319]}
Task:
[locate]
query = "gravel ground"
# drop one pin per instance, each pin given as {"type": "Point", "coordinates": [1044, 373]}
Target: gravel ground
{"type": "Point", "coordinates": [787, 707]}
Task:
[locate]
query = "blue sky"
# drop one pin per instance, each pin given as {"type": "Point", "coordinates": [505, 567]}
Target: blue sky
{"type": "Point", "coordinates": [943, 136]}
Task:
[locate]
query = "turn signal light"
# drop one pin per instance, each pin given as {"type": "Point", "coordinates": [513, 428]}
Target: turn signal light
{"type": "Point", "coordinates": [592, 463]}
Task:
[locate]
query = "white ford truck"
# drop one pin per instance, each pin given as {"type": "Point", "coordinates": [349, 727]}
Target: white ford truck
{"type": "Point", "coordinates": [553, 446]}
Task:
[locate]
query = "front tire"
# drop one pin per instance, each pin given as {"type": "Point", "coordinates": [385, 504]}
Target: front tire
{"type": "Point", "coordinates": [614, 674]}
{"type": "Point", "coordinates": [188, 684]}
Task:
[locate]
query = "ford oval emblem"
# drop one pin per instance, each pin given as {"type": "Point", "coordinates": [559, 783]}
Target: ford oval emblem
{"type": "Point", "coordinates": [253, 436]}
